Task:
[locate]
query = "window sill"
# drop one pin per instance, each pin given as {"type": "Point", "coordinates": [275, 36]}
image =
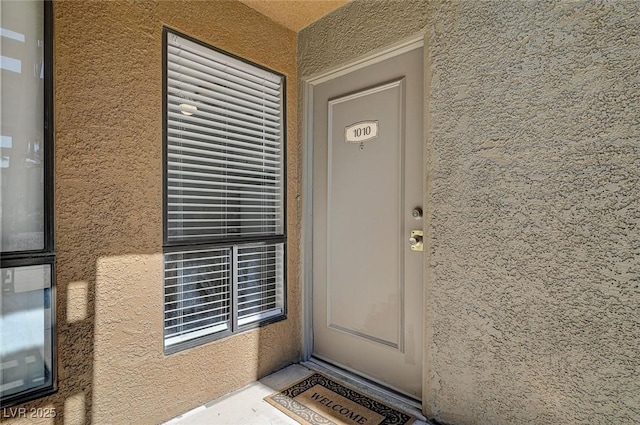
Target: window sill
{"type": "Point", "coordinates": [196, 342]}
{"type": "Point", "coordinates": [27, 396]}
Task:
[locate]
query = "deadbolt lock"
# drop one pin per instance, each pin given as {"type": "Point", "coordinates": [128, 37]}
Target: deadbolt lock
{"type": "Point", "coordinates": [417, 213]}
{"type": "Point", "coordinates": [415, 241]}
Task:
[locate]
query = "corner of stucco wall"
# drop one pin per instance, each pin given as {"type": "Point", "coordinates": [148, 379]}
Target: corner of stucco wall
{"type": "Point", "coordinates": [430, 378]}
{"type": "Point", "coordinates": [108, 214]}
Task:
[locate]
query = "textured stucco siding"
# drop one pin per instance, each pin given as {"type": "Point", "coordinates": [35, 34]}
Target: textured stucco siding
{"type": "Point", "coordinates": [356, 29]}
{"type": "Point", "coordinates": [535, 203]}
{"type": "Point", "coordinates": [533, 174]}
{"type": "Point", "coordinates": [108, 214]}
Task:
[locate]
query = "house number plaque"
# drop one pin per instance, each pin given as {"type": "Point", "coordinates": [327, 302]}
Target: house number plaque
{"type": "Point", "coordinates": [361, 132]}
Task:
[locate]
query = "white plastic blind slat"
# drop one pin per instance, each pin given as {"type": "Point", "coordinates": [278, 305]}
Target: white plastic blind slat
{"type": "Point", "coordinates": [202, 158]}
{"type": "Point", "coordinates": [199, 228]}
{"type": "Point", "coordinates": [198, 321]}
{"type": "Point", "coordinates": [182, 64]}
{"type": "Point", "coordinates": [204, 122]}
{"type": "Point", "coordinates": [248, 97]}
{"type": "Point", "coordinates": [178, 173]}
{"type": "Point", "coordinates": [209, 280]}
{"type": "Point", "coordinates": [217, 208]}
{"type": "Point", "coordinates": [260, 200]}
{"type": "Point", "coordinates": [263, 154]}
{"type": "Point", "coordinates": [199, 235]}
{"type": "Point", "coordinates": [205, 183]}
{"type": "Point", "coordinates": [223, 171]}
{"type": "Point", "coordinates": [199, 255]}
{"type": "Point", "coordinates": [211, 67]}
{"type": "Point", "coordinates": [233, 66]}
{"type": "Point", "coordinates": [215, 212]}
{"type": "Point", "coordinates": [248, 148]}
{"type": "Point", "coordinates": [186, 89]}
{"type": "Point", "coordinates": [222, 64]}
{"type": "Point", "coordinates": [224, 190]}
{"type": "Point", "coordinates": [246, 160]}
{"type": "Point", "coordinates": [179, 285]}
{"type": "Point", "coordinates": [214, 306]}
{"type": "Point", "coordinates": [193, 275]}
{"type": "Point", "coordinates": [180, 121]}
{"type": "Point", "coordinates": [245, 117]}
{"type": "Point", "coordinates": [242, 122]}
{"type": "Point", "coordinates": [228, 123]}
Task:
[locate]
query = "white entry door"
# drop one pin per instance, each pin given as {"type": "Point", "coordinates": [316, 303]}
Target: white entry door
{"type": "Point", "coordinates": [367, 200]}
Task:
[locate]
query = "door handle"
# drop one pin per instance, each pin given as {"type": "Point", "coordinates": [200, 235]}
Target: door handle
{"type": "Point", "coordinates": [415, 241]}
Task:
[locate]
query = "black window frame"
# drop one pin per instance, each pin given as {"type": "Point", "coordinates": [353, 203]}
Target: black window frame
{"type": "Point", "coordinates": [46, 255]}
{"type": "Point", "coordinates": [232, 243]}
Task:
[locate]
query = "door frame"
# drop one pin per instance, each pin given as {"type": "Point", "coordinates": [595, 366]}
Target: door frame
{"type": "Point", "coordinates": [308, 84]}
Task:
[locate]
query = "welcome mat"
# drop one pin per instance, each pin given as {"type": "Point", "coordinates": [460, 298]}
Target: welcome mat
{"type": "Point", "coordinates": [319, 400]}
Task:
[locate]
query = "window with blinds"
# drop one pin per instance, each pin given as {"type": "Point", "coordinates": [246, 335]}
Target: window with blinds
{"type": "Point", "coordinates": [224, 221]}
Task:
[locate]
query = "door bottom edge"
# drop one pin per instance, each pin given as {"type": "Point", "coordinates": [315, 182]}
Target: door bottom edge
{"type": "Point", "coordinates": [404, 401]}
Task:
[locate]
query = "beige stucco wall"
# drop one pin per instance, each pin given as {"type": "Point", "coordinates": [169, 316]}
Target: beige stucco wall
{"type": "Point", "coordinates": [532, 149]}
{"type": "Point", "coordinates": [108, 206]}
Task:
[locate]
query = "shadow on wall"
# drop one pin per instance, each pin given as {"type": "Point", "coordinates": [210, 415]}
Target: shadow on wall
{"type": "Point", "coordinates": [111, 365]}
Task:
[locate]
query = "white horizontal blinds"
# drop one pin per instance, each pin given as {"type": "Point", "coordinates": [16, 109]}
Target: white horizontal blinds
{"type": "Point", "coordinates": [197, 288]}
{"type": "Point", "coordinates": [224, 145]}
{"type": "Point", "coordinates": [225, 179]}
{"type": "Point", "coordinates": [260, 282]}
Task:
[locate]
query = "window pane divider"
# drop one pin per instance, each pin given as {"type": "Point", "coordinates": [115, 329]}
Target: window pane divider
{"type": "Point", "coordinates": [222, 243]}
{"type": "Point", "coordinates": [234, 289]}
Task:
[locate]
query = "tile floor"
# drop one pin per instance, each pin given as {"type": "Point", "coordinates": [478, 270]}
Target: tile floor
{"type": "Point", "coordinates": [247, 407]}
